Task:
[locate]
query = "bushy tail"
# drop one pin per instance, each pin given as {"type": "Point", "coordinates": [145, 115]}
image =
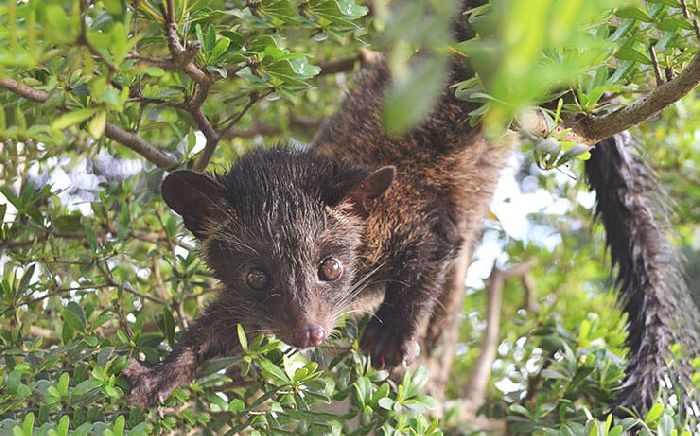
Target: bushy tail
{"type": "Point", "coordinates": [631, 205]}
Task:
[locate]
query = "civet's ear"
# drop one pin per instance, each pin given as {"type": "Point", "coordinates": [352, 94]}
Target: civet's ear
{"type": "Point", "coordinates": [359, 200]}
{"type": "Point", "coordinates": [195, 196]}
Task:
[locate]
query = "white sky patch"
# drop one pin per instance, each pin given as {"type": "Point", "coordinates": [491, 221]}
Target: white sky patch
{"type": "Point", "coordinates": [506, 386]}
{"type": "Point", "coordinates": [199, 142]}
{"type": "Point", "coordinates": [512, 203]}
{"type": "Point", "coordinates": [586, 199]}
{"type": "Point", "coordinates": [143, 273]}
{"type": "Point", "coordinates": [181, 251]}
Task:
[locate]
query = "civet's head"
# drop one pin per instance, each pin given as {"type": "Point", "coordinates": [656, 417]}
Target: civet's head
{"type": "Point", "coordinates": [281, 229]}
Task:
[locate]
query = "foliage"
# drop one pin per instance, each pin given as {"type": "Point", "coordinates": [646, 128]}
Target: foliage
{"type": "Point", "coordinates": [96, 269]}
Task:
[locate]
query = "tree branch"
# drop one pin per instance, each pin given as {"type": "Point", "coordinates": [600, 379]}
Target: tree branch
{"type": "Point", "coordinates": [590, 129]}
{"type": "Point", "coordinates": [111, 281]}
{"type": "Point", "coordinates": [475, 392]}
{"type": "Point", "coordinates": [53, 293]}
{"type": "Point", "coordinates": [141, 235]}
{"type": "Point", "coordinates": [140, 146]}
{"type": "Point", "coordinates": [184, 59]}
{"type": "Point", "coordinates": [112, 131]}
{"type": "Point", "coordinates": [338, 65]}
{"type": "Point", "coordinates": [37, 95]}
{"type": "Point", "coordinates": [686, 14]}
{"type": "Point", "coordinates": [165, 64]}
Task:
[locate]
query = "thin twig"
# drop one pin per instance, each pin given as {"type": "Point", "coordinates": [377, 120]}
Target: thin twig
{"type": "Point", "coordinates": [53, 293]}
{"type": "Point", "coordinates": [152, 237]}
{"type": "Point", "coordinates": [302, 123]}
{"type": "Point", "coordinates": [655, 64]}
{"type": "Point", "coordinates": [148, 100]}
{"type": "Point", "coordinates": [236, 118]}
{"type": "Point", "coordinates": [165, 64]}
{"type": "Point", "coordinates": [125, 286]}
{"type": "Point", "coordinates": [686, 14]}
{"type": "Point", "coordinates": [83, 39]}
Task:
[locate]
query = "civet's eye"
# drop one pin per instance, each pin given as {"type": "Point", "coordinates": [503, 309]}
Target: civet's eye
{"type": "Point", "coordinates": [256, 279]}
{"type": "Point", "coordinates": [330, 269]}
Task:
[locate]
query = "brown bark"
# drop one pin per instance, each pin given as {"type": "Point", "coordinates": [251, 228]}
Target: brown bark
{"type": "Point", "coordinates": [590, 129]}
{"type": "Point", "coordinates": [475, 392]}
{"type": "Point", "coordinates": [442, 330]}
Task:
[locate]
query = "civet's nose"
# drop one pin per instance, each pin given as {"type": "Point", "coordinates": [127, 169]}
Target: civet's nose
{"type": "Point", "coordinates": [310, 335]}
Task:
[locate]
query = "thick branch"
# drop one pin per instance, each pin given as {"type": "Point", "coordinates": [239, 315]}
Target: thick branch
{"type": "Point", "coordinates": [184, 57]}
{"type": "Point", "coordinates": [112, 131]}
{"type": "Point", "coordinates": [605, 126]}
{"type": "Point", "coordinates": [140, 146]}
{"type": "Point", "coordinates": [38, 95]}
{"type": "Point", "coordinates": [590, 129]}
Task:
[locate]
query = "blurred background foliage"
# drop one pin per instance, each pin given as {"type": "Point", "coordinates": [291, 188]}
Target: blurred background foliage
{"type": "Point", "coordinates": [95, 268]}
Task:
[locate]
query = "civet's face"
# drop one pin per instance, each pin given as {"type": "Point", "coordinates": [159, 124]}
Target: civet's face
{"type": "Point", "coordinates": [281, 231]}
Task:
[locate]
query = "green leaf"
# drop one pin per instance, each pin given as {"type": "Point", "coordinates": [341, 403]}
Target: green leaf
{"type": "Point", "coordinates": [63, 426]}
{"type": "Point", "coordinates": [241, 337]}
{"type": "Point", "coordinates": [70, 118]}
{"type": "Point", "coordinates": [634, 12]}
{"type": "Point", "coordinates": [62, 386]}
{"type": "Point", "coordinates": [26, 278]}
{"type": "Point", "coordinates": [28, 424]}
{"type": "Point", "coordinates": [199, 33]}
{"type": "Point", "coordinates": [654, 413]}
{"type": "Point", "coordinates": [216, 365]}
{"type": "Point", "coordinates": [363, 390]}
{"type": "Point", "coordinates": [219, 49]}
{"type": "Point", "coordinates": [77, 309]}
{"type": "Point", "coordinates": [273, 370]}
{"type": "Point", "coordinates": [96, 126]}
{"type": "Point", "coordinates": [581, 151]}
{"type": "Point", "coordinates": [386, 403]}
{"type": "Point", "coordinates": [209, 40]}
{"type": "Point", "coordinates": [85, 387]}
{"type": "Point", "coordinates": [118, 428]}
{"type": "Point", "coordinates": [91, 238]}
{"type": "Point", "coordinates": [73, 320]}
{"type": "Point", "coordinates": [236, 406]}
{"type": "Point", "coordinates": [281, 9]}
{"type": "Point", "coordinates": [628, 53]}
{"type": "Point", "coordinates": [427, 401]}
{"type": "Point", "coordinates": [168, 325]}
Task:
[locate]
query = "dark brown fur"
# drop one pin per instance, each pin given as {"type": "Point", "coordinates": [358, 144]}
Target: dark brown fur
{"type": "Point", "coordinates": [446, 174]}
{"type": "Point", "coordinates": [406, 239]}
{"type": "Point", "coordinates": [286, 211]}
